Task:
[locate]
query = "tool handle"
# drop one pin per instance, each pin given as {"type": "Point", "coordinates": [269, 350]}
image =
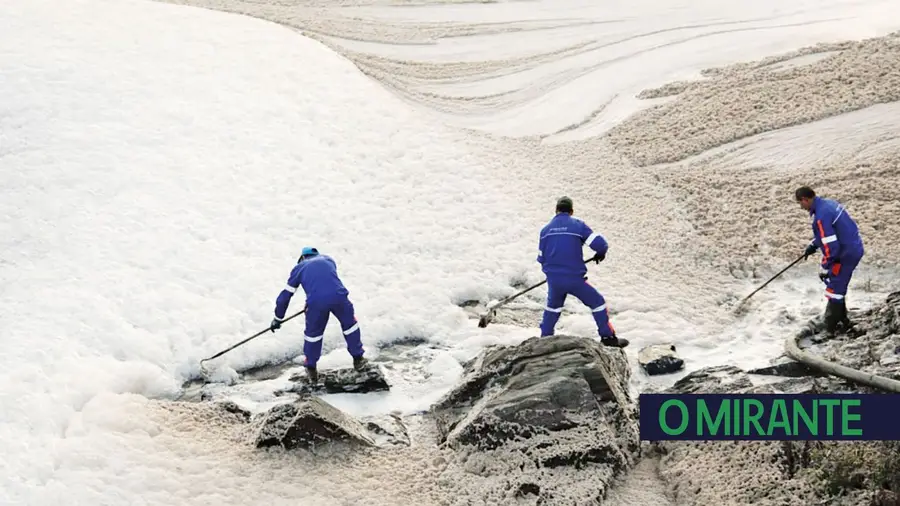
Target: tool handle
{"type": "Point", "coordinates": [782, 271]}
{"type": "Point", "coordinates": [254, 336]}
{"type": "Point", "coordinates": [516, 295]}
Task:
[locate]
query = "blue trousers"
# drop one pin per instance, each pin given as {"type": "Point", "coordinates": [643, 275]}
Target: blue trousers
{"type": "Point", "coordinates": [839, 278]}
{"type": "Point", "coordinates": [317, 314]}
{"type": "Point", "coordinates": [558, 290]}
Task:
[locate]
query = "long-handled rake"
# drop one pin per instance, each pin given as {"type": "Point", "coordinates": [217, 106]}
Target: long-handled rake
{"type": "Point", "coordinates": [740, 305]}
{"type": "Point", "coordinates": [492, 310]}
{"type": "Point", "coordinates": [205, 372]}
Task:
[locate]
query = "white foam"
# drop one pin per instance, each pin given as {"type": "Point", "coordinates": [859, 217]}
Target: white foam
{"type": "Point", "coordinates": [164, 165]}
{"type": "Point", "coordinates": [568, 77]}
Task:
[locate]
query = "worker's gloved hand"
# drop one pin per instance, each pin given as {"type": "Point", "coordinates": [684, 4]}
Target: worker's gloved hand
{"type": "Point", "coordinates": [599, 258]}
{"type": "Point", "coordinates": [809, 251]}
{"type": "Point", "coordinates": [824, 275]}
{"type": "Point", "coordinates": [275, 325]}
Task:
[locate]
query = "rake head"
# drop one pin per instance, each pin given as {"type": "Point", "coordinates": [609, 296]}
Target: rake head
{"type": "Point", "coordinates": [742, 307]}
{"type": "Point", "coordinates": [488, 317]}
{"type": "Point", "coordinates": [204, 371]}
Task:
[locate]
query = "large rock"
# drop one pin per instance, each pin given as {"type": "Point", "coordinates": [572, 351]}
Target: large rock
{"type": "Point", "coordinates": [306, 423]}
{"type": "Point", "coordinates": [553, 416]}
{"type": "Point", "coordinates": [658, 359]}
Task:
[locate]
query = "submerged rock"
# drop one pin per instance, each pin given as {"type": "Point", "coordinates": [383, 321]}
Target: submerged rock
{"type": "Point", "coordinates": [387, 430]}
{"type": "Point", "coordinates": [554, 413]}
{"type": "Point", "coordinates": [232, 408]}
{"type": "Point", "coordinates": [786, 367]}
{"type": "Point", "coordinates": [720, 379]}
{"type": "Point", "coordinates": [340, 381]}
{"type": "Point", "coordinates": [728, 379]}
{"type": "Point", "coordinates": [307, 423]}
{"type": "Point", "coordinates": [349, 380]}
{"type": "Point", "coordinates": [660, 359]}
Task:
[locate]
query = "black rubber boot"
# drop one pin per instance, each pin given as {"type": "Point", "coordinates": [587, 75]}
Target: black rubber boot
{"type": "Point", "coordinates": [313, 374]}
{"type": "Point", "coordinates": [614, 341]}
{"type": "Point", "coordinates": [832, 317]}
{"type": "Point", "coordinates": [843, 319]}
{"type": "Point", "coordinates": [360, 363]}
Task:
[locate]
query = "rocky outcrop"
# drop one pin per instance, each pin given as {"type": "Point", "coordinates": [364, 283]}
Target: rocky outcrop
{"type": "Point", "coordinates": [872, 344]}
{"type": "Point", "coordinates": [774, 473]}
{"type": "Point", "coordinates": [556, 410]}
{"type": "Point", "coordinates": [733, 472]}
{"type": "Point", "coordinates": [660, 359]}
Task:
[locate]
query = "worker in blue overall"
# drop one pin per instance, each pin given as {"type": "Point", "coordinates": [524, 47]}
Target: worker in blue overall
{"type": "Point", "coordinates": [560, 255]}
{"type": "Point", "coordinates": [325, 295]}
{"type": "Point", "coordinates": [837, 236]}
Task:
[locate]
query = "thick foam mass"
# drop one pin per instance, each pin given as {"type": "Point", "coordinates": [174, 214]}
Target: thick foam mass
{"type": "Point", "coordinates": [162, 168]}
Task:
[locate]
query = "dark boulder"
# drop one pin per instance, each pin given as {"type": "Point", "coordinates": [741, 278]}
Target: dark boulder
{"type": "Point", "coordinates": [660, 359]}
{"type": "Point", "coordinates": [557, 410]}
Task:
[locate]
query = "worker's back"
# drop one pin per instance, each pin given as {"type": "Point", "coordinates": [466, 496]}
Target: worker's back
{"type": "Point", "coordinates": [319, 278]}
{"type": "Point", "coordinates": [561, 247]}
{"type": "Point", "coordinates": [845, 228]}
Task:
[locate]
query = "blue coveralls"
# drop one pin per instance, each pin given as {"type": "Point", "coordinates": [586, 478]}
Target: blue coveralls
{"type": "Point", "coordinates": [560, 255]}
{"type": "Point", "coordinates": [837, 236]}
{"type": "Point", "coordinates": [325, 295]}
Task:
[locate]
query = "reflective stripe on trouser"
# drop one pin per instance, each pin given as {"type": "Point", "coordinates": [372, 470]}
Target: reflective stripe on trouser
{"type": "Point", "coordinates": [557, 291]}
{"type": "Point", "coordinates": [839, 279]}
{"type": "Point", "coordinates": [316, 321]}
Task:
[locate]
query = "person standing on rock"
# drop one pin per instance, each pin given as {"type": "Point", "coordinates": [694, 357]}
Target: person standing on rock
{"type": "Point", "coordinates": [837, 235]}
{"type": "Point", "coordinates": [325, 294]}
{"type": "Point", "coordinates": [560, 256]}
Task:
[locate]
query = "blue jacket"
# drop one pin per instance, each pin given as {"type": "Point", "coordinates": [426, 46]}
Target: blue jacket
{"type": "Point", "coordinates": [834, 232]}
{"type": "Point", "coordinates": [319, 279]}
{"type": "Point", "coordinates": [560, 247]}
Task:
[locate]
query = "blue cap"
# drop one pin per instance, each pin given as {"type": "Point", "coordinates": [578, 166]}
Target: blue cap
{"type": "Point", "coordinates": [308, 252]}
